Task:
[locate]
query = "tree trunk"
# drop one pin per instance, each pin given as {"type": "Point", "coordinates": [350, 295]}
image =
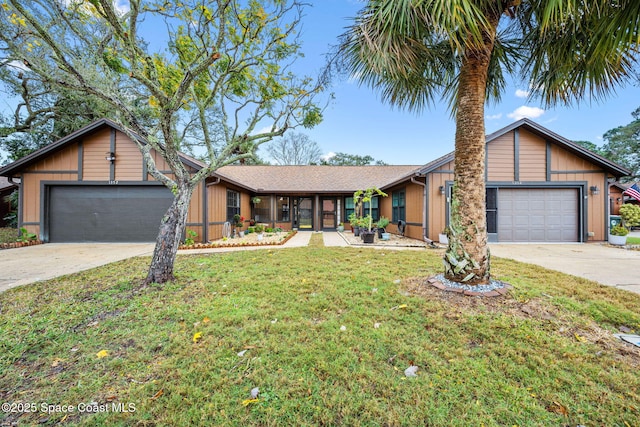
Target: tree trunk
{"type": "Point", "coordinates": [169, 236]}
{"type": "Point", "coordinates": [467, 257]}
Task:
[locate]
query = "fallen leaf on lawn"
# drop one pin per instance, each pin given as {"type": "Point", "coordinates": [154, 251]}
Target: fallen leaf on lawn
{"type": "Point", "coordinates": [241, 354]}
{"type": "Point", "coordinates": [55, 362]}
{"type": "Point", "coordinates": [197, 337]}
{"type": "Point", "coordinates": [399, 306]}
{"type": "Point", "coordinates": [343, 328]}
{"type": "Point", "coordinates": [579, 337]}
{"type": "Point", "coordinates": [248, 402]}
{"type": "Point", "coordinates": [74, 349]}
{"type": "Point", "coordinates": [158, 394]}
{"type": "Point", "coordinates": [274, 321]}
{"type": "Point", "coordinates": [411, 371]}
{"type": "Point", "coordinates": [206, 320]}
{"type": "Point", "coordinates": [102, 353]}
{"type": "Point", "coordinates": [254, 392]}
{"type": "Point", "coordinates": [376, 325]}
{"type": "Point", "coordinates": [558, 408]}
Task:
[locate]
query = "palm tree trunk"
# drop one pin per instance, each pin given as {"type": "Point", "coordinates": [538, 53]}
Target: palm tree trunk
{"type": "Point", "coordinates": [467, 257]}
{"type": "Point", "coordinates": [168, 240]}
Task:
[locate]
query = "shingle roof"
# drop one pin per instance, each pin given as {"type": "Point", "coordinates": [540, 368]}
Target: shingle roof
{"type": "Point", "coordinates": [313, 179]}
{"type": "Point", "coordinates": [4, 183]}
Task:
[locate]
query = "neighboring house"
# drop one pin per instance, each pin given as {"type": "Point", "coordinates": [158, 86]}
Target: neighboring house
{"type": "Point", "coordinates": [540, 187]}
{"type": "Point", "coordinates": [617, 198]}
{"type": "Point", "coordinates": [6, 188]}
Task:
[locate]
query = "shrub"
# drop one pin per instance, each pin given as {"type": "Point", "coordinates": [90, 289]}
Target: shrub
{"type": "Point", "coordinates": [630, 214]}
{"type": "Point", "coordinates": [619, 230]}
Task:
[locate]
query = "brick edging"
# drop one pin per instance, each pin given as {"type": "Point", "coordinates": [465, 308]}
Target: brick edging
{"type": "Point", "coordinates": [14, 245]}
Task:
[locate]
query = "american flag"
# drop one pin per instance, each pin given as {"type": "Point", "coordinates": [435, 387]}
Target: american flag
{"type": "Point", "coordinates": [633, 191]}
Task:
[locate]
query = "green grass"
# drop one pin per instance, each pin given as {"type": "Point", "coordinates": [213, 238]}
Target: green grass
{"type": "Point", "coordinates": [541, 356]}
{"type": "Point", "coordinates": [633, 240]}
{"type": "Point", "coordinates": [8, 235]}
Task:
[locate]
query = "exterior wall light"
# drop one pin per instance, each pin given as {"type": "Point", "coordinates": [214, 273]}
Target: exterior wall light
{"type": "Point", "coordinates": [594, 190]}
{"type": "Point", "coordinates": [441, 188]}
{"type": "Point", "coordinates": [110, 157]}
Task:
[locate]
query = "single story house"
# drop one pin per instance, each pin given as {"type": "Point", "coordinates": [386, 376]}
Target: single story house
{"type": "Point", "coordinates": [93, 186]}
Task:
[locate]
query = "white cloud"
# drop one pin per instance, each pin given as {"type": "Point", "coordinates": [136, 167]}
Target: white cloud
{"type": "Point", "coordinates": [327, 156]}
{"type": "Point", "coordinates": [494, 116]}
{"type": "Point", "coordinates": [522, 93]}
{"type": "Point", "coordinates": [525, 111]}
{"type": "Point", "coordinates": [122, 6]}
{"type": "Point", "coordinates": [19, 65]}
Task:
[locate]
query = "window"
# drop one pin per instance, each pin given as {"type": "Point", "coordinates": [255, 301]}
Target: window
{"type": "Point", "coordinates": [262, 210]}
{"type": "Point", "coordinates": [375, 209]}
{"type": "Point", "coordinates": [398, 206]}
{"type": "Point", "coordinates": [349, 207]}
{"type": "Point", "coordinates": [233, 204]}
{"type": "Point", "coordinates": [283, 209]}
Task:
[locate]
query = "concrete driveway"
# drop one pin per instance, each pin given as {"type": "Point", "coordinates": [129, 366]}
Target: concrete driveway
{"type": "Point", "coordinates": [604, 264]}
{"type": "Point", "coordinates": [33, 263]}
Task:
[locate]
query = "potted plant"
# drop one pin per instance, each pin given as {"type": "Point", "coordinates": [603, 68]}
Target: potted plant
{"type": "Point", "coordinates": [353, 222]}
{"type": "Point", "coordinates": [367, 232]}
{"type": "Point", "coordinates": [239, 223]}
{"type": "Point", "coordinates": [366, 196]}
{"type": "Point", "coordinates": [618, 235]}
{"type": "Point", "coordinates": [442, 237]}
{"type": "Point", "coordinates": [381, 226]}
{"type": "Point", "coordinates": [259, 231]}
{"type": "Point", "coordinates": [341, 227]}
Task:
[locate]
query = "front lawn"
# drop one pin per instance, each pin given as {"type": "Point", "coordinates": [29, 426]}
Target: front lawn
{"type": "Point", "coordinates": [8, 235]}
{"type": "Point", "coordinates": [326, 334]}
{"type": "Point", "coordinates": [633, 240]}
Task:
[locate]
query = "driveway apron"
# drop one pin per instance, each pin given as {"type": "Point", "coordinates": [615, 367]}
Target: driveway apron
{"type": "Point", "coordinates": [34, 263]}
{"type": "Point", "coordinates": [594, 261]}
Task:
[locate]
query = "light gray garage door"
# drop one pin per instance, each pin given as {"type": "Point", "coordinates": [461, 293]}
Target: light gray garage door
{"type": "Point", "coordinates": [106, 213]}
{"type": "Point", "coordinates": [538, 215]}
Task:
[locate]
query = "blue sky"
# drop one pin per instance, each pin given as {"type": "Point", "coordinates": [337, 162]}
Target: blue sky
{"type": "Point", "coordinates": [357, 122]}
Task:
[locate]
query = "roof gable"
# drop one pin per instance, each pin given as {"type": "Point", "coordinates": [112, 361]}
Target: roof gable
{"type": "Point", "coordinates": [548, 135]}
{"type": "Point", "coordinates": [72, 138]}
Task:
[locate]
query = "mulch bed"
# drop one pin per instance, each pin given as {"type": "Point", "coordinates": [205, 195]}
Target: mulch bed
{"type": "Point", "coordinates": [273, 239]}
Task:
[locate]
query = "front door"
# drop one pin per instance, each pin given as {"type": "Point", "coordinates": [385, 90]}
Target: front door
{"type": "Point", "coordinates": [329, 214]}
{"type": "Point", "coordinates": [305, 213]}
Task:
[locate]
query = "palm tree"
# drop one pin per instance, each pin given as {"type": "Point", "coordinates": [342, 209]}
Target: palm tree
{"type": "Point", "coordinates": [417, 51]}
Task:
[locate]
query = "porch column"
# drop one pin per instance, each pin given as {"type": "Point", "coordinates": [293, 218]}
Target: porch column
{"type": "Point", "coordinates": [317, 226]}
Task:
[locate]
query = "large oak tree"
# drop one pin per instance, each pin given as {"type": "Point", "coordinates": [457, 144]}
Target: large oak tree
{"type": "Point", "coordinates": [211, 76]}
{"type": "Point", "coordinates": [417, 51]}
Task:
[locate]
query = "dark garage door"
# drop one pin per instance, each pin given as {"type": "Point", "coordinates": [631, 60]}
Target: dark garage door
{"type": "Point", "coordinates": [538, 215]}
{"type": "Point", "coordinates": [106, 213]}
